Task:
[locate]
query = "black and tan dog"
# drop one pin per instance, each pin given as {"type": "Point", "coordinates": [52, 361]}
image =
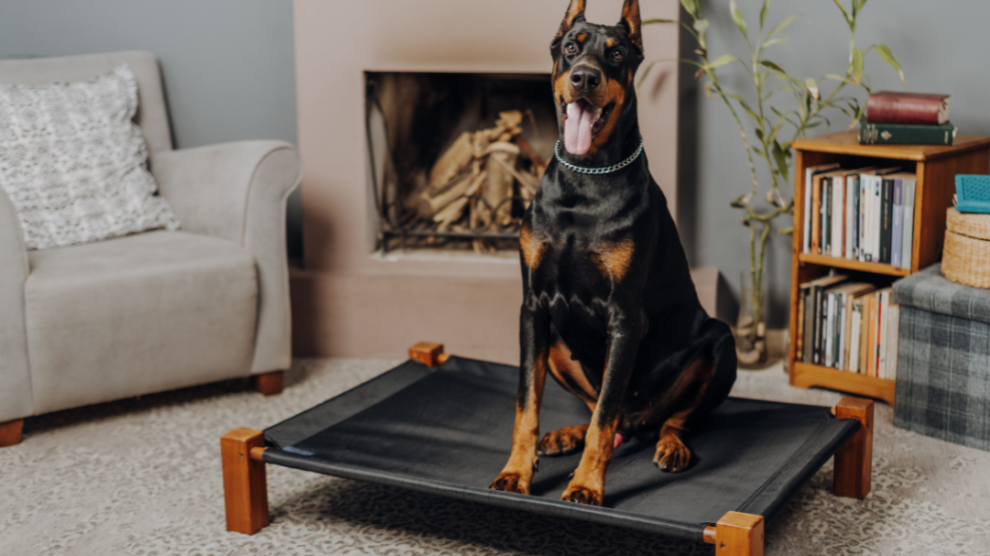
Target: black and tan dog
{"type": "Point", "coordinates": [609, 307]}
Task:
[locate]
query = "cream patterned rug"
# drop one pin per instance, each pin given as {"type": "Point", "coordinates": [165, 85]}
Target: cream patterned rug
{"type": "Point", "coordinates": [142, 477]}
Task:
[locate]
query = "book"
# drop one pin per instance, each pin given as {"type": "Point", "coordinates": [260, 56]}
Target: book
{"type": "Point", "coordinates": [886, 210]}
{"type": "Point", "coordinates": [849, 215]}
{"type": "Point", "coordinates": [871, 341]}
{"type": "Point", "coordinates": [907, 233]}
{"type": "Point", "coordinates": [827, 202]}
{"type": "Point", "coordinates": [809, 327]}
{"type": "Point", "coordinates": [856, 322]}
{"type": "Point", "coordinates": [888, 107]}
{"type": "Point", "coordinates": [829, 340]}
{"type": "Point", "coordinates": [882, 326]}
{"type": "Point", "coordinates": [838, 215]}
{"type": "Point", "coordinates": [864, 221]}
{"type": "Point", "coordinates": [846, 294]}
{"type": "Point", "coordinates": [876, 216]}
{"type": "Point", "coordinates": [809, 174]}
{"type": "Point", "coordinates": [812, 322]}
{"type": "Point", "coordinates": [799, 337]}
{"type": "Point", "coordinates": [816, 214]}
{"type": "Point", "coordinates": [896, 223]}
{"type": "Point", "coordinates": [864, 335]}
{"type": "Point", "coordinates": [818, 210]}
{"type": "Point", "coordinates": [851, 293]}
{"type": "Point", "coordinates": [902, 134]}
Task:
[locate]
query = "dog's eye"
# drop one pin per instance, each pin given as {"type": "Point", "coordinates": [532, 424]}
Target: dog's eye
{"type": "Point", "coordinates": [617, 55]}
{"type": "Point", "coordinates": [570, 48]}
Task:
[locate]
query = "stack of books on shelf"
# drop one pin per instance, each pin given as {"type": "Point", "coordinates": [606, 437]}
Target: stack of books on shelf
{"type": "Point", "coordinates": [864, 214]}
{"type": "Point", "coordinates": [849, 326]}
{"type": "Point", "coordinates": [907, 119]}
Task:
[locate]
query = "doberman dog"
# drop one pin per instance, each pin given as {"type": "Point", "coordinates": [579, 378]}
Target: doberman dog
{"type": "Point", "coordinates": [609, 308]}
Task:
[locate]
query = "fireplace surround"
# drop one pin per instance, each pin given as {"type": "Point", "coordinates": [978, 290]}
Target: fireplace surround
{"type": "Point", "coordinates": [348, 298]}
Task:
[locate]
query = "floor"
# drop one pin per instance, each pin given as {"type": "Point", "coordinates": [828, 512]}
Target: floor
{"type": "Point", "coordinates": [142, 477]}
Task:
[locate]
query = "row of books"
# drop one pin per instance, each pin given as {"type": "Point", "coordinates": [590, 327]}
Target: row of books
{"type": "Point", "coordinates": [865, 214]}
{"type": "Point", "coordinates": [898, 118]}
{"type": "Point", "coordinates": [850, 326]}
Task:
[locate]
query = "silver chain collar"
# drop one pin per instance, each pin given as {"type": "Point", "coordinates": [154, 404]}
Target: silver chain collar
{"type": "Point", "coordinates": [596, 171]}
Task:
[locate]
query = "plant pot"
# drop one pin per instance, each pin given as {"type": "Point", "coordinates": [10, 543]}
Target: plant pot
{"type": "Point", "coordinates": [751, 341]}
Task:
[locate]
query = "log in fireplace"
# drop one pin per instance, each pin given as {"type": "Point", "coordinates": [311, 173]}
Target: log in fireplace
{"type": "Point", "coordinates": [456, 158]}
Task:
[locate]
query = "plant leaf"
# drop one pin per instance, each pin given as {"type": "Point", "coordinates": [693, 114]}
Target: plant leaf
{"type": "Point", "coordinates": [774, 41]}
{"type": "Point", "coordinates": [845, 14]}
{"type": "Point", "coordinates": [722, 60]}
{"type": "Point", "coordinates": [656, 20]}
{"type": "Point", "coordinates": [884, 52]}
{"type": "Point", "coordinates": [689, 6]}
{"type": "Point", "coordinates": [646, 71]}
{"type": "Point", "coordinates": [763, 13]}
{"type": "Point", "coordinates": [812, 88]}
{"type": "Point", "coordinates": [781, 158]}
{"type": "Point", "coordinates": [782, 25]}
{"type": "Point", "coordinates": [701, 26]}
{"type": "Point", "coordinates": [738, 18]}
{"type": "Point", "coordinates": [773, 66]}
{"type": "Point", "coordinates": [857, 65]}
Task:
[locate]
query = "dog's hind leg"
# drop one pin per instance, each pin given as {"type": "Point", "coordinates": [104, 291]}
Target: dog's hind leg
{"type": "Point", "coordinates": [711, 377]}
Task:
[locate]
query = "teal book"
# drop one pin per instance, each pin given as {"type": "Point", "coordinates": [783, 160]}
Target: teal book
{"type": "Point", "coordinates": [901, 134]}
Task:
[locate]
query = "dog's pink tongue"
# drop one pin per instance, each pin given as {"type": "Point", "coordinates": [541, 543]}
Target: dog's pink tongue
{"type": "Point", "coordinates": [618, 441]}
{"type": "Point", "coordinates": [577, 129]}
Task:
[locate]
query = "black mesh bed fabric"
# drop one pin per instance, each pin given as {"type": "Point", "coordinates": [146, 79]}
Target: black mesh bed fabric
{"type": "Point", "coordinates": [448, 432]}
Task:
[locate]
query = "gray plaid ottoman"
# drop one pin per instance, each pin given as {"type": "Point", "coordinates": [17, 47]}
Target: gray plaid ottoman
{"type": "Point", "coordinates": [943, 359]}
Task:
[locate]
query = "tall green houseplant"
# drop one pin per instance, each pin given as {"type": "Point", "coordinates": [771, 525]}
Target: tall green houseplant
{"type": "Point", "coordinates": [769, 126]}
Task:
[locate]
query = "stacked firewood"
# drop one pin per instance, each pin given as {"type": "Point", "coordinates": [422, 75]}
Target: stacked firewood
{"type": "Point", "coordinates": [476, 180]}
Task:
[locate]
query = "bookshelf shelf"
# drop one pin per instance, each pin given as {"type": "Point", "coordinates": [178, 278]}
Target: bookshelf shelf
{"type": "Point", "coordinates": [935, 168]}
{"type": "Point", "coordinates": [849, 264]}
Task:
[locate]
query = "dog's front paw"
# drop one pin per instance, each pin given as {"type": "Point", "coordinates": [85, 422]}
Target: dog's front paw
{"type": "Point", "coordinates": [562, 441]}
{"type": "Point", "coordinates": [672, 455]}
{"type": "Point", "coordinates": [511, 482]}
{"type": "Point", "coordinates": [583, 495]}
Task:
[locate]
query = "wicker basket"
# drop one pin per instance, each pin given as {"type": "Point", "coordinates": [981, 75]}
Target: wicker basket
{"type": "Point", "coordinates": [966, 256]}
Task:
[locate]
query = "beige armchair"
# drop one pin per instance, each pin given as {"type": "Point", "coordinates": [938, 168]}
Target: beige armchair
{"type": "Point", "coordinates": [158, 310]}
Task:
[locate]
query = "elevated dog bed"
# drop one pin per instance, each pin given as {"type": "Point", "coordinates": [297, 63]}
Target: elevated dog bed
{"type": "Point", "coordinates": [447, 431]}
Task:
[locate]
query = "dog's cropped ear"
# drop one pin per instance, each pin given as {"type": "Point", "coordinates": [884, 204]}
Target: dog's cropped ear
{"type": "Point", "coordinates": [633, 23]}
{"type": "Point", "coordinates": [575, 13]}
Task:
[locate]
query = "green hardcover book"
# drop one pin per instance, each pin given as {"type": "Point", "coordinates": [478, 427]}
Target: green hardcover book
{"type": "Point", "coordinates": [900, 134]}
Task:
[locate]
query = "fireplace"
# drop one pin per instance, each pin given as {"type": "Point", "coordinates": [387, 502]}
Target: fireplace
{"type": "Point", "coordinates": [358, 295]}
{"type": "Point", "coordinates": [455, 158]}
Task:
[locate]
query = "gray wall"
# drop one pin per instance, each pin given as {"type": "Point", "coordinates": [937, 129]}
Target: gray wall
{"type": "Point", "coordinates": [228, 65]}
{"type": "Point", "coordinates": [941, 45]}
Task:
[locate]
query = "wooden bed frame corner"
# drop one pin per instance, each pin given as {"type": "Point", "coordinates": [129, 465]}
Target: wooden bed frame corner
{"type": "Point", "coordinates": [245, 485]}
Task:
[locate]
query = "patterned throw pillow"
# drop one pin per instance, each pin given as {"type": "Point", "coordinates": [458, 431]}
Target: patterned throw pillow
{"type": "Point", "coordinates": [74, 164]}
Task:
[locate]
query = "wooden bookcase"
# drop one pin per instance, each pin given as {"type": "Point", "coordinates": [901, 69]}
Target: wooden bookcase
{"type": "Point", "coordinates": [936, 168]}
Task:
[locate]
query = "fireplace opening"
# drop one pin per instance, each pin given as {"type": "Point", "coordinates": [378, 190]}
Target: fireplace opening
{"type": "Point", "coordinates": [455, 158]}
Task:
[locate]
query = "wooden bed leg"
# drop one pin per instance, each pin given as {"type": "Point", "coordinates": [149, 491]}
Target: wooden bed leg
{"type": "Point", "coordinates": [736, 534]}
{"type": "Point", "coordinates": [268, 384]}
{"type": "Point", "coordinates": [10, 433]}
{"type": "Point", "coordinates": [428, 353]}
{"type": "Point", "coordinates": [854, 460]}
{"type": "Point", "coordinates": [245, 486]}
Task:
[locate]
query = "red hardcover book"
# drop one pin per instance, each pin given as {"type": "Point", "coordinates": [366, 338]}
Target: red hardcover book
{"type": "Point", "coordinates": [889, 107]}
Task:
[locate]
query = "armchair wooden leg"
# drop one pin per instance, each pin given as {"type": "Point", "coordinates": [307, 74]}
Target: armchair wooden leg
{"type": "Point", "coordinates": [245, 485]}
{"type": "Point", "coordinates": [736, 534]}
{"type": "Point", "coordinates": [428, 353]}
{"type": "Point", "coordinates": [269, 384]}
{"type": "Point", "coordinates": [854, 460]}
{"type": "Point", "coordinates": [10, 433]}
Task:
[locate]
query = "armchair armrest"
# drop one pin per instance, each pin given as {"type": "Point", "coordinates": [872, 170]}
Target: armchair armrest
{"type": "Point", "coordinates": [238, 191]}
{"type": "Point", "coordinates": [16, 398]}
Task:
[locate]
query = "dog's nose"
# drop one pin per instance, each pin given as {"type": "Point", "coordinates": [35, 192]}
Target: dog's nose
{"type": "Point", "coordinates": [585, 78]}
